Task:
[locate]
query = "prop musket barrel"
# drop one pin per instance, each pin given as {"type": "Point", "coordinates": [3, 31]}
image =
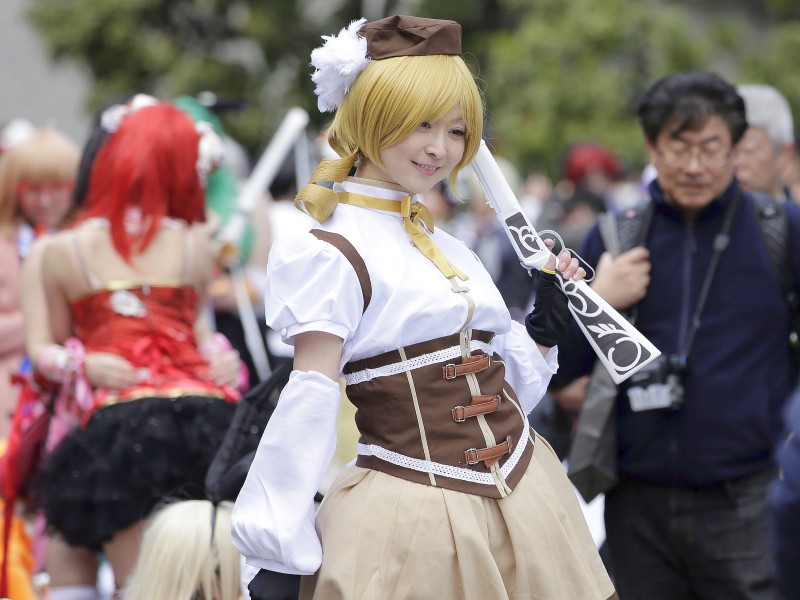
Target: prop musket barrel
{"type": "Point", "coordinates": [622, 349]}
{"type": "Point", "coordinates": [291, 128]}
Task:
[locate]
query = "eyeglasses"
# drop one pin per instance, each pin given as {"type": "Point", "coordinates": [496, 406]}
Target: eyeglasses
{"type": "Point", "coordinates": [28, 193]}
{"type": "Point", "coordinates": [681, 157]}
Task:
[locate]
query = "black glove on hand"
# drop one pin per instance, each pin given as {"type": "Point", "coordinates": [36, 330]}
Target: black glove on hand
{"type": "Point", "coordinates": [548, 321]}
{"type": "Point", "coordinates": [270, 585]}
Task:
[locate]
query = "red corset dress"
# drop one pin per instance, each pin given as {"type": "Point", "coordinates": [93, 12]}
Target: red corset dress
{"type": "Point", "coordinates": [153, 328]}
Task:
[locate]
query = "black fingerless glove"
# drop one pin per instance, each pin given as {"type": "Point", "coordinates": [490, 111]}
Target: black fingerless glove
{"type": "Point", "coordinates": [548, 321]}
{"type": "Point", "coordinates": [271, 585]}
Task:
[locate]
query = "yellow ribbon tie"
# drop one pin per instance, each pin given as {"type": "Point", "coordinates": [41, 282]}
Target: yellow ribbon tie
{"type": "Point", "coordinates": [414, 214]}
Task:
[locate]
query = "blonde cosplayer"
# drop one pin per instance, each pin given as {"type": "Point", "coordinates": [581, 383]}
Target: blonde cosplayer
{"type": "Point", "coordinates": [47, 156]}
{"type": "Point", "coordinates": [386, 103]}
{"type": "Point", "coordinates": [187, 556]}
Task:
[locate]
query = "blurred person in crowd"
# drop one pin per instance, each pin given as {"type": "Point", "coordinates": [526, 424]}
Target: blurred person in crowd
{"type": "Point", "coordinates": [536, 191]}
{"type": "Point", "coordinates": [122, 289]}
{"type": "Point", "coordinates": [791, 175]}
{"type": "Point", "coordinates": [589, 175]}
{"type": "Point", "coordinates": [480, 229]}
{"type": "Point", "coordinates": [785, 505]}
{"type": "Point", "coordinates": [222, 193]}
{"type": "Point", "coordinates": [37, 176]}
{"type": "Point", "coordinates": [688, 517]}
{"type": "Point", "coordinates": [767, 148]}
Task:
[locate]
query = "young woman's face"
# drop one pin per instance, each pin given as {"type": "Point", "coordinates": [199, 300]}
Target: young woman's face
{"type": "Point", "coordinates": [424, 158]}
{"type": "Point", "coordinates": [45, 205]}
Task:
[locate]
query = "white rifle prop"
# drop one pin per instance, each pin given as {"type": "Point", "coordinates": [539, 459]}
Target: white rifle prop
{"type": "Point", "coordinates": [290, 130]}
{"type": "Point", "coordinates": [622, 349]}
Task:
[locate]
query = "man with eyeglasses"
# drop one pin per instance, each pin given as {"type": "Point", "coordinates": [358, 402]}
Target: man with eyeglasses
{"type": "Point", "coordinates": [688, 516]}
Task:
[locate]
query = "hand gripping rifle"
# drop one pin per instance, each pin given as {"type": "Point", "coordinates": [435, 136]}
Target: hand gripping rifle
{"type": "Point", "coordinates": [618, 344]}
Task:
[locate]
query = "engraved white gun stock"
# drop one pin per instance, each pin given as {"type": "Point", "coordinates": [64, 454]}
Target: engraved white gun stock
{"type": "Point", "coordinates": [621, 348]}
{"type": "Point", "coordinates": [290, 130]}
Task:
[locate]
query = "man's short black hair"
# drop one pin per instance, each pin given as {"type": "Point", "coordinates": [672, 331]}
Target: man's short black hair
{"type": "Point", "coordinates": [688, 100]}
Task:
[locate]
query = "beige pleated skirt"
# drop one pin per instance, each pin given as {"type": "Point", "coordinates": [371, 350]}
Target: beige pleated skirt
{"type": "Point", "coordinates": [386, 538]}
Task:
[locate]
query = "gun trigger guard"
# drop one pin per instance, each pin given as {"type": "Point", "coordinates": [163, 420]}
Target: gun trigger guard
{"type": "Point", "coordinates": [559, 246]}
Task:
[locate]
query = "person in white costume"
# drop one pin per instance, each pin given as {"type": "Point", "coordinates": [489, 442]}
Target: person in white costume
{"type": "Point", "coordinates": [452, 495]}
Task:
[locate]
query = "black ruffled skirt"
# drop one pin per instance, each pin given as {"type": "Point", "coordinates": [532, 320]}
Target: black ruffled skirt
{"type": "Point", "coordinates": [129, 458]}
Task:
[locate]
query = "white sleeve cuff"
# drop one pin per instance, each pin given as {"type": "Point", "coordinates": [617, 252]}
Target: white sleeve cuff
{"type": "Point", "coordinates": [273, 518]}
{"type": "Point", "coordinates": [527, 370]}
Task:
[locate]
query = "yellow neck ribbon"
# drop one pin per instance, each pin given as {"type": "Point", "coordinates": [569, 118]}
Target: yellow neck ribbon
{"type": "Point", "coordinates": [414, 214]}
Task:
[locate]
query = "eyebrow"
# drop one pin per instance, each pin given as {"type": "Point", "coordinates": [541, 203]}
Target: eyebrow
{"type": "Point", "coordinates": [714, 138]}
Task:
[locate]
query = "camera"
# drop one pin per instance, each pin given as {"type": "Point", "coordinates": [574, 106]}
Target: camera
{"type": "Point", "coordinates": [659, 385]}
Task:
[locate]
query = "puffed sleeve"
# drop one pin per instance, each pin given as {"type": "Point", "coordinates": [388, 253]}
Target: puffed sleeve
{"type": "Point", "coordinates": [527, 370]}
{"type": "Point", "coordinates": [311, 286]}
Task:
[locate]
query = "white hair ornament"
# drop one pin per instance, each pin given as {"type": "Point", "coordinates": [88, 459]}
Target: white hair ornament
{"type": "Point", "coordinates": [210, 148]}
{"type": "Point", "coordinates": [338, 62]}
{"type": "Point", "coordinates": [113, 116]}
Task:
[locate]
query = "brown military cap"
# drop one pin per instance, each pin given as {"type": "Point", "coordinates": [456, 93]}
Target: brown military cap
{"type": "Point", "coordinates": [400, 35]}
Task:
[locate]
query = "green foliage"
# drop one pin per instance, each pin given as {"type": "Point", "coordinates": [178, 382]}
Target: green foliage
{"type": "Point", "coordinates": [573, 71]}
{"type": "Point", "coordinates": [248, 51]}
{"type": "Point", "coordinates": [776, 65]}
{"type": "Point", "coordinates": [554, 72]}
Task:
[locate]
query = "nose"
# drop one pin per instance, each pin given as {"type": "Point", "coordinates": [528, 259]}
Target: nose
{"type": "Point", "coordinates": [45, 199]}
{"type": "Point", "coordinates": [694, 163]}
{"type": "Point", "coordinates": [436, 146]}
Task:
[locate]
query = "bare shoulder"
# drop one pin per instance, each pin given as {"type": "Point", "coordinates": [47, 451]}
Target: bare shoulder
{"type": "Point", "coordinates": [52, 249]}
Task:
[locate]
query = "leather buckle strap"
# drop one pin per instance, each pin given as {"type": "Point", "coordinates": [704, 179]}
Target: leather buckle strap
{"type": "Point", "coordinates": [481, 405]}
{"type": "Point", "coordinates": [470, 364]}
{"type": "Point", "coordinates": [490, 455]}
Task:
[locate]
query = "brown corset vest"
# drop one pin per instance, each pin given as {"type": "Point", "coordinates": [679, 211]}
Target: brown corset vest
{"type": "Point", "coordinates": [453, 423]}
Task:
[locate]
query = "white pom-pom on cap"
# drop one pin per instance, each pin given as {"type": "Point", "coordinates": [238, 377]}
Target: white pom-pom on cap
{"type": "Point", "coordinates": [338, 62]}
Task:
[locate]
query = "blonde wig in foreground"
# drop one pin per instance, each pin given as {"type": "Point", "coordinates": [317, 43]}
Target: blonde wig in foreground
{"type": "Point", "coordinates": [387, 102]}
{"type": "Point", "coordinates": [178, 559]}
{"type": "Point", "coordinates": [47, 156]}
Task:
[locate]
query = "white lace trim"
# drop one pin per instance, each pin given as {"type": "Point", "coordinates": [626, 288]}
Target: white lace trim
{"type": "Point", "coordinates": [415, 363]}
{"type": "Point", "coordinates": [442, 470]}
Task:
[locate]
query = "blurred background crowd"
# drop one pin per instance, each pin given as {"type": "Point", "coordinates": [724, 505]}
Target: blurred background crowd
{"type": "Point", "coordinates": [561, 79]}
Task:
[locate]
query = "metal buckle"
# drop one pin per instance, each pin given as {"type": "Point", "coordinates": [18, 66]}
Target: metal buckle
{"type": "Point", "coordinates": [472, 452]}
{"type": "Point", "coordinates": [451, 368]}
{"type": "Point", "coordinates": [463, 414]}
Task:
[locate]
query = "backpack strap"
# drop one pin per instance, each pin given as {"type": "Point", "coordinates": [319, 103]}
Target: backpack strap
{"type": "Point", "coordinates": [773, 221]}
{"type": "Point", "coordinates": [353, 257]}
{"type": "Point", "coordinates": [774, 225]}
{"type": "Point", "coordinates": [634, 225]}
{"type": "Point", "coordinates": [609, 232]}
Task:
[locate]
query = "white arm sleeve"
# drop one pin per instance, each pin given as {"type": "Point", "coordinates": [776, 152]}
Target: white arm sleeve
{"type": "Point", "coordinates": [273, 517]}
{"type": "Point", "coordinates": [527, 370]}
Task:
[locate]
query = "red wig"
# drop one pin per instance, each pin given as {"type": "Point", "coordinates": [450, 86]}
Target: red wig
{"type": "Point", "coordinates": [148, 164]}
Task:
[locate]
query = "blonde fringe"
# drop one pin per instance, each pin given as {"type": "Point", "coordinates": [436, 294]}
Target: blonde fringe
{"type": "Point", "coordinates": [317, 200]}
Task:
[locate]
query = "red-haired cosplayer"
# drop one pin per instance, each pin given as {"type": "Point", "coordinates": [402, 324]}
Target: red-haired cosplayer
{"type": "Point", "coordinates": [148, 399]}
{"type": "Point", "coordinates": [452, 495]}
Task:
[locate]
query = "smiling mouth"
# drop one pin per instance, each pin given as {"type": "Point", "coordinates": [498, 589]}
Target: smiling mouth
{"type": "Point", "coordinates": [427, 169]}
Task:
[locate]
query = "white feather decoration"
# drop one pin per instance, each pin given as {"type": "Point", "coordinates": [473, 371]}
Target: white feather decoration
{"type": "Point", "coordinates": [338, 62]}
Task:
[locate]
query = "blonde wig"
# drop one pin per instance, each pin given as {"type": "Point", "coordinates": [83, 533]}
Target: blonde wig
{"type": "Point", "coordinates": [47, 156]}
{"type": "Point", "coordinates": [179, 559]}
{"type": "Point", "coordinates": [387, 102]}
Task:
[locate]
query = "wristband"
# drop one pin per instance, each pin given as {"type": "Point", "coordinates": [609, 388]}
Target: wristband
{"type": "Point", "coordinates": [548, 320]}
